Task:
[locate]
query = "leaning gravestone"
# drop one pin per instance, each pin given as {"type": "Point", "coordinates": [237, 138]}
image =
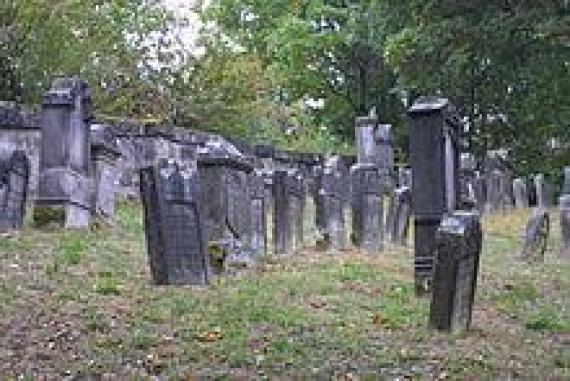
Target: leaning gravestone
{"type": "Point", "coordinates": [535, 238]}
{"type": "Point", "coordinates": [104, 155]}
{"type": "Point", "coordinates": [14, 178]}
{"type": "Point", "coordinates": [173, 224]}
{"type": "Point", "coordinates": [64, 184]}
{"type": "Point", "coordinates": [459, 241]}
{"type": "Point", "coordinates": [434, 139]}
{"type": "Point", "coordinates": [366, 208]}
{"type": "Point", "coordinates": [565, 213]}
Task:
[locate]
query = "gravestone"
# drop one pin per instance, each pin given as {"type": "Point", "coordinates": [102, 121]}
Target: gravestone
{"type": "Point", "coordinates": [542, 191]}
{"type": "Point", "coordinates": [296, 196]}
{"type": "Point", "coordinates": [104, 155]}
{"type": "Point", "coordinates": [520, 193]}
{"type": "Point", "coordinates": [479, 188]}
{"type": "Point", "coordinates": [564, 203]}
{"type": "Point", "coordinates": [257, 213]}
{"type": "Point", "coordinates": [365, 140]}
{"type": "Point", "coordinates": [402, 215]}
{"type": "Point", "coordinates": [281, 217]}
{"type": "Point", "coordinates": [14, 178]}
{"type": "Point", "coordinates": [405, 177]}
{"type": "Point", "coordinates": [226, 206]}
{"type": "Point", "coordinates": [493, 183]}
{"type": "Point", "coordinates": [64, 184]}
{"type": "Point", "coordinates": [459, 241]}
{"type": "Point", "coordinates": [434, 138]}
{"type": "Point", "coordinates": [366, 208]}
{"type": "Point", "coordinates": [173, 224]}
{"type": "Point", "coordinates": [331, 192]}
{"type": "Point", "coordinates": [535, 238]}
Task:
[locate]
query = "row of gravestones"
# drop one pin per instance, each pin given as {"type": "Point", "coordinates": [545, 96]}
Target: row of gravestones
{"type": "Point", "coordinates": [208, 206]}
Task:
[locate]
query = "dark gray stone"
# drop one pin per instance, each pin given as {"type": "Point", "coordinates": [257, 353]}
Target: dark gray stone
{"type": "Point", "coordinates": [434, 139]}
{"type": "Point", "coordinates": [565, 223]}
{"type": "Point", "coordinates": [543, 196]}
{"type": "Point", "coordinates": [332, 192]}
{"type": "Point", "coordinates": [64, 183]}
{"type": "Point", "coordinates": [459, 241]}
{"type": "Point", "coordinates": [257, 213]}
{"type": "Point", "coordinates": [281, 222]}
{"type": "Point", "coordinates": [367, 214]}
{"type": "Point", "coordinates": [173, 224]}
{"type": "Point", "coordinates": [14, 178]}
{"type": "Point", "coordinates": [566, 185]}
{"type": "Point", "coordinates": [536, 235]}
{"type": "Point", "coordinates": [365, 140]}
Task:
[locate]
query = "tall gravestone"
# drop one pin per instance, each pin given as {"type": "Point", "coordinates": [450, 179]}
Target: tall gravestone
{"type": "Point", "coordinates": [459, 242]}
{"type": "Point", "coordinates": [434, 136]}
{"type": "Point", "coordinates": [282, 224]}
{"type": "Point", "coordinates": [14, 178]}
{"type": "Point", "coordinates": [564, 203]}
{"type": "Point", "coordinates": [173, 224]}
{"type": "Point", "coordinates": [366, 208]}
{"type": "Point", "coordinates": [542, 191]}
{"type": "Point", "coordinates": [64, 184]}
{"type": "Point", "coordinates": [535, 239]}
{"type": "Point", "coordinates": [365, 140]}
{"type": "Point", "coordinates": [104, 155]}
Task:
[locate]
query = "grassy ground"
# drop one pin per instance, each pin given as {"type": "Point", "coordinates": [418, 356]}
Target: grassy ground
{"type": "Point", "coordinates": [80, 305]}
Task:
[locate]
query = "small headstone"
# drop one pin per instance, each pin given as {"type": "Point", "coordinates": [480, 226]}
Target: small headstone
{"type": "Point", "coordinates": [520, 193]}
{"type": "Point", "coordinates": [173, 224]}
{"type": "Point", "coordinates": [459, 242]}
{"type": "Point", "coordinates": [104, 155]}
{"type": "Point", "coordinates": [536, 235]}
{"type": "Point", "coordinates": [14, 178]}
{"type": "Point", "coordinates": [402, 215]}
{"type": "Point", "coordinates": [366, 208]}
{"type": "Point", "coordinates": [258, 226]}
{"type": "Point", "coordinates": [564, 203]}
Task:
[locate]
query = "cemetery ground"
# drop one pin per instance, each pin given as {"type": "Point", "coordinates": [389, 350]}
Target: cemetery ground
{"type": "Point", "coordinates": [81, 304]}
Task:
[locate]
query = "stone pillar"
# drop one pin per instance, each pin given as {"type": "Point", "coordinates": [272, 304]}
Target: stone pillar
{"type": "Point", "coordinates": [366, 208]}
{"type": "Point", "coordinates": [520, 193]}
{"type": "Point", "coordinates": [434, 134]}
{"type": "Point", "coordinates": [257, 213]}
{"type": "Point", "coordinates": [332, 209]}
{"type": "Point", "coordinates": [64, 185]}
{"type": "Point", "coordinates": [564, 203]}
{"type": "Point", "coordinates": [104, 155]}
{"type": "Point", "coordinates": [281, 223]}
{"type": "Point", "coordinates": [14, 179]}
{"type": "Point", "coordinates": [365, 140]}
{"type": "Point", "coordinates": [173, 224]}
{"type": "Point", "coordinates": [295, 202]}
{"type": "Point", "coordinates": [459, 241]}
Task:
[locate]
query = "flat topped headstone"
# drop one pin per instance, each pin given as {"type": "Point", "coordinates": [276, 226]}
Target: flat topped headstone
{"type": "Point", "coordinates": [173, 224]}
{"type": "Point", "coordinates": [14, 178]}
{"type": "Point", "coordinates": [458, 248]}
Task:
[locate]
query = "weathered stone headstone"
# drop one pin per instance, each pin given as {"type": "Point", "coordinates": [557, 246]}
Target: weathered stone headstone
{"type": "Point", "coordinates": [296, 204]}
{"type": "Point", "coordinates": [288, 211]}
{"type": "Point", "coordinates": [366, 208]}
{"type": "Point", "coordinates": [104, 155]}
{"type": "Point", "coordinates": [402, 215]}
{"type": "Point", "coordinates": [564, 203]}
{"type": "Point", "coordinates": [520, 193]}
{"type": "Point", "coordinates": [64, 183]}
{"type": "Point", "coordinates": [14, 178]}
{"type": "Point", "coordinates": [173, 224]}
{"type": "Point", "coordinates": [536, 235]}
{"type": "Point", "coordinates": [459, 241]}
{"type": "Point", "coordinates": [331, 192]}
{"type": "Point", "coordinates": [258, 225]}
{"type": "Point", "coordinates": [434, 136]}
{"type": "Point", "coordinates": [542, 191]}
{"type": "Point", "coordinates": [226, 207]}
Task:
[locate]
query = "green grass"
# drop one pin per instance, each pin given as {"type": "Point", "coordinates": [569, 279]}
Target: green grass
{"type": "Point", "coordinates": [307, 316]}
